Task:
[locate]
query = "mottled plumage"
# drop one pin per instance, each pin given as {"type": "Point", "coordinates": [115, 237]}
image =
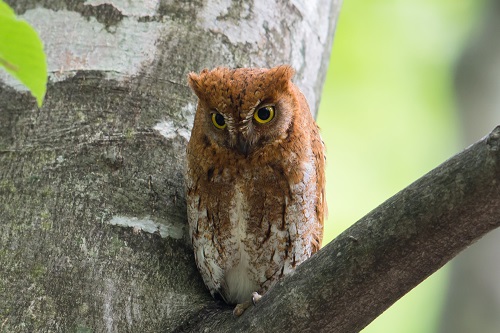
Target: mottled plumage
{"type": "Point", "coordinates": [255, 179]}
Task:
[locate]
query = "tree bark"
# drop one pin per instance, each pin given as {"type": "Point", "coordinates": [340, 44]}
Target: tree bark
{"type": "Point", "coordinates": [92, 209]}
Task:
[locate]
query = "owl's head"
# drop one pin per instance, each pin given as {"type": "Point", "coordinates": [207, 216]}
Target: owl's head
{"type": "Point", "coordinates": [244, 109]}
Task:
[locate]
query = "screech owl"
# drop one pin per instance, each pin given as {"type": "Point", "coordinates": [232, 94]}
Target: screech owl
{"type": "Point", "coordinates": [255, 180]}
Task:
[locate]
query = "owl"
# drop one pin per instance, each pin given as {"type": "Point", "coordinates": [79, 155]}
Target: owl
{"type": "Point", "coordinates": [255, 180]}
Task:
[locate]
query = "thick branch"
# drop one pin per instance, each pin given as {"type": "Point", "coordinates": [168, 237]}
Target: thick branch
{"type": "Point", "coordinates": [371, 265]}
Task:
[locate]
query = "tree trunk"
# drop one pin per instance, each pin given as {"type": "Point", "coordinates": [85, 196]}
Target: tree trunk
{"type": "Point", "coordinates": [92, 208]}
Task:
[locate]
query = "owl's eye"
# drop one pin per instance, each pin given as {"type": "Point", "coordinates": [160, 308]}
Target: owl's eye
{"type": "Point", "coordinates": [264, 114]}
{"type": "Point", "coordinates": [218, 120]}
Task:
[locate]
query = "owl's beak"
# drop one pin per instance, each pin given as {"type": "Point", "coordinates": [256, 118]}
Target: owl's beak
{"type": "Point", "coordinates": [243, 146]}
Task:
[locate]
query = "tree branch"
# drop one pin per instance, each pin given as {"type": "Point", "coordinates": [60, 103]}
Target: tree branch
{"type": "Point", "coordinates": [371, 265]}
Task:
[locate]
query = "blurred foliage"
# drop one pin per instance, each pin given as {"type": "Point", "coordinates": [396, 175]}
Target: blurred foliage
{"type": "Point", "coordinates": [21, 53]}
{"type": "Point", "coordinates": [388, 117]}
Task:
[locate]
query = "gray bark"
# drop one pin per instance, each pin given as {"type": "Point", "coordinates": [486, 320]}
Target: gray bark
{"type": "Point", "coordinates": [92, 209]}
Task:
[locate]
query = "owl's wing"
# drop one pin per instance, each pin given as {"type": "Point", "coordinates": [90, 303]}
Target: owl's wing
{"type": "Point", "coordinates": [206, 255]}
{"type": "Point", "coordinates": [318, 151]}
{"type": "Point", "coordinates": [318, 148]}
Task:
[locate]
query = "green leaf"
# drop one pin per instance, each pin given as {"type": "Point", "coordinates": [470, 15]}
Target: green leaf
{"type": "Point", "coordinates": [6, 10]}
{"type": "Point", "coordinates": [21, 53]}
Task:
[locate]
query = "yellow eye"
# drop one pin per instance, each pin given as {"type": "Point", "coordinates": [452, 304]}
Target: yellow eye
{"type": "Point", "coordinates": [218, 120]}
{"type": "Point", "coordinates": [264, 114]}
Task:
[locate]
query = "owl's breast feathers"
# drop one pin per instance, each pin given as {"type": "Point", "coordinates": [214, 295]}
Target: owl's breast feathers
{"type": "Point", "coordinates": [253, 220]}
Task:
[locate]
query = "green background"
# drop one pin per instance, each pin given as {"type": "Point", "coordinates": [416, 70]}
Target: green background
{"type": "Point", "coordinates": [388, 116]}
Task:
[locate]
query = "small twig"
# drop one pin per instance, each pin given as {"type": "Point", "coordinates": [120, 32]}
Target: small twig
{"type": "Point", "coordinates": [3, 323]}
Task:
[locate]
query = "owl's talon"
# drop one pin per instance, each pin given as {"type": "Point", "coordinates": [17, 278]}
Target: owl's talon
{"type": "Point", "coordinates": [256, 298]}
{"type": "Point", "coordinates": [240, 308]}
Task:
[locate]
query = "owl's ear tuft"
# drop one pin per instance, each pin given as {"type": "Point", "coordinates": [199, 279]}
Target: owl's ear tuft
{"type": "Point", "coordinates": [281, 75]}
{"type": "Point", "coordinates": [195, 82]}
{"type": "Point", "coordinates": [282, 72]}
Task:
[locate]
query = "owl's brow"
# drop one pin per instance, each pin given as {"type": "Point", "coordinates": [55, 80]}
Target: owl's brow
{"type": "Point", "coordinates": [244, 123]}
{"type": "Point", "coordinates": [256, 104]}
{"type": "Point", "coordinates": [249, 115]}
{"type": "Point", "coordinates": [229, 120]}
